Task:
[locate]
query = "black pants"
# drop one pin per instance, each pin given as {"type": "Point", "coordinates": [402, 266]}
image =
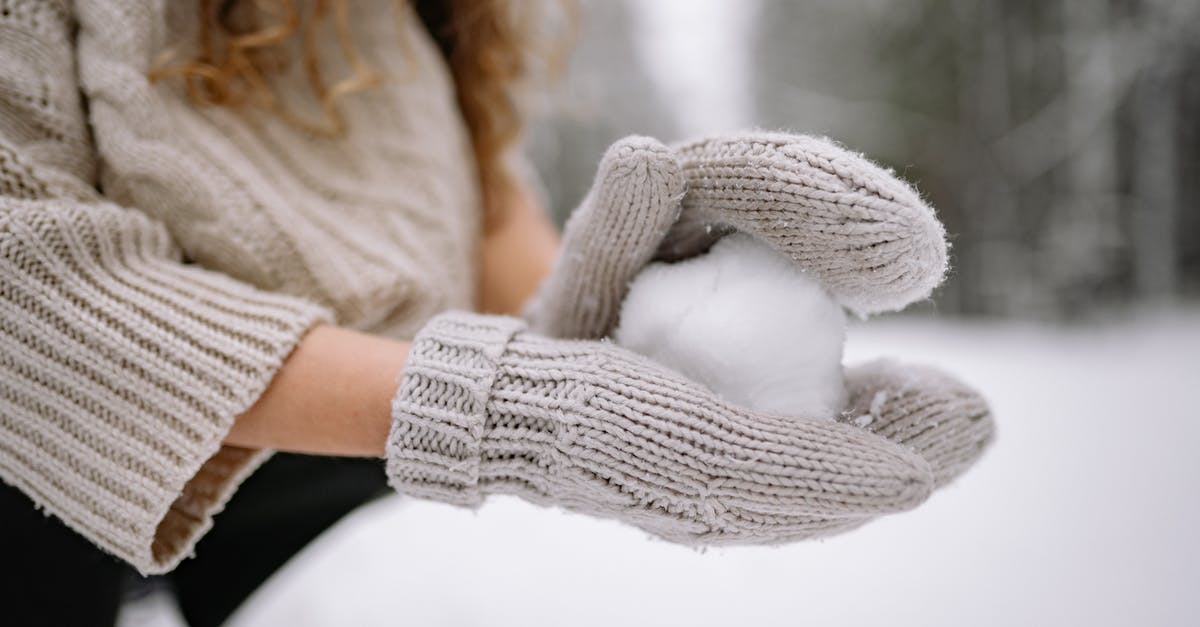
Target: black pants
{"type": "Point", "coordinates": [56, 577]}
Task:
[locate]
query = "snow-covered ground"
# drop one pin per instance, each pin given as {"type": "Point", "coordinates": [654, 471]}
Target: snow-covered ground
{"type": "Point", "coordinates": [1085, 512]}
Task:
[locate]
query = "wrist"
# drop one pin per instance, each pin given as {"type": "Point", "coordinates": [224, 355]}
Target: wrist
{"type": "Point", "coordinates": [332, 396]}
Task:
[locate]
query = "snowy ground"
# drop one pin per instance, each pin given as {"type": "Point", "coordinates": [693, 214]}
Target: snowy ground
{"type": "Point", "coordinates": [1084, 513]}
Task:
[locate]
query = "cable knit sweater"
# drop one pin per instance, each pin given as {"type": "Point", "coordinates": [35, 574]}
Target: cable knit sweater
{"type": "Point", "coordinates": [160, 261]}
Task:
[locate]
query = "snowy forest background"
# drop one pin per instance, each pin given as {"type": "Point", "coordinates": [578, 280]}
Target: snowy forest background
{"type": "Point", "coordinates": [1060, 142]}
{"type": "Point", "coordinates": [1058, 139]}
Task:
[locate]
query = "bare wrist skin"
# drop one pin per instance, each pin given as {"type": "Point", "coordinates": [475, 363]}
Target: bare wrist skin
{"type": "Point", "coordinates": [331, 397]}
{"type": "Point", "coordinates": [516, 255]}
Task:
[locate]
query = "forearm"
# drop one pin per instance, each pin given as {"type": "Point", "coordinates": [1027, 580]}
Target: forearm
{"type": "Point", "coordinates": [333, 394]}
{"type": "Point", "coordinates": [516, 255]}
{"type": "Point", "coordinates": [331, 397]}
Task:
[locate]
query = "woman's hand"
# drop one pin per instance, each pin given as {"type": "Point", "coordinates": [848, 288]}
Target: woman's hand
{"type": "Point", "coordinates": [943, 419]}
{"type": "Point", "coordinates": [866, 234]}
{"type": "Point", "coordinates": [488, 407]}
{"type": "Point", "coordinates": [331, 397]}
{"type": "Point", "coordinates": [863, 232]}
{"type": "Point", "coordinates": [335, 394]}
{"type": "Point", "coordinates": [518, 248]}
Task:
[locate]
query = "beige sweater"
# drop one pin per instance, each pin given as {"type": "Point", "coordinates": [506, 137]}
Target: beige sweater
{"type": "Point", "coordinates": [160, 261]}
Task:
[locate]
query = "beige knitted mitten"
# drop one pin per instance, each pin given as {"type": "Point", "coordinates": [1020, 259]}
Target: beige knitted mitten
{"type": "Point", "coordinates": [863, 232]}
{"type": "Point", "coordinates": [486, 406]}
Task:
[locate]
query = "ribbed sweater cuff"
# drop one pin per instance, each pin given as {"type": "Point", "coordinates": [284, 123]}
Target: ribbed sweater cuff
{"type": "Point", "coordinates": [440, 409]}
{"type": "Point", "coordinates": [125, 374]}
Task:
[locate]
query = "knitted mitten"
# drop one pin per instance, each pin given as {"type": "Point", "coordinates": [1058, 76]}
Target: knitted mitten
{"type": "Point", "coordinates": [863, 232]}
{"type": "Point", "coordinates": [608, 239]}
{"type": "Point", "coordinates": [486, 406]}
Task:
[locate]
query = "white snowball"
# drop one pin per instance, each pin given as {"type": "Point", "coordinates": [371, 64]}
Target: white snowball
{"type": "Point", "coordinates": [744, 321]}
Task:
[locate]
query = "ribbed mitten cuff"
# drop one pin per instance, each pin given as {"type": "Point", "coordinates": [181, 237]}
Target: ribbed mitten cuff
{"type": "Point", "coordinates": [439, 411]}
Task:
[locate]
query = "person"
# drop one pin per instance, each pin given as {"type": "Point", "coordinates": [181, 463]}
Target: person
{"type": "Point", "coordinates": [222, 268]}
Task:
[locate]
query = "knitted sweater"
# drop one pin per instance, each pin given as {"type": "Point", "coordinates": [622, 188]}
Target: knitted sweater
{"type": "Point", "coordinates": [160, 260]}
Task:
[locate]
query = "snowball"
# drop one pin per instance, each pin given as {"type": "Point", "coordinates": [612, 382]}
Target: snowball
{"type": "Point", "coordinates": [744, 321]}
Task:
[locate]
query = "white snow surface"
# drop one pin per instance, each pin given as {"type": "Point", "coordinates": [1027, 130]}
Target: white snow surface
{"type": "Point", "coordinates": [746, 322]}
{"type": "Point", "coordinates": [1084, 512]}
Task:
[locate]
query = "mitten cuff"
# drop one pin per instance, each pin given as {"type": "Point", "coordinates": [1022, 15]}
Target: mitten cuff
{"type": "Point", "coordinates": [433, 450]}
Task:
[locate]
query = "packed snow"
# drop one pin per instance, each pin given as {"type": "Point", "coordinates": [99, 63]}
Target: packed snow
{"type": "Point", "coordinates": [1084, 512]}
{"type": "Point", "coordinates": [746, 322]}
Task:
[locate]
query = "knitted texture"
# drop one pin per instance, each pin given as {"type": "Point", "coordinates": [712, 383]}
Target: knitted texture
{"type": "Point", "coordinates": [863, 232]}
{"type": "Point", "coordinates": [608, 239]}
{"type": "Point", "coordinates": [381, 225]}
{"type": "Point", "coordinates": [123, 371]}
{"type": "Point", "coordinates": [487, 407]}
{"type": "Point", "coordinates": [944, 420]}
{"type": "Point", "coordinates": [136, 323]}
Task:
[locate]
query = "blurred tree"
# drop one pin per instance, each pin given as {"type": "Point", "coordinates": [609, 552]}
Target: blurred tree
{"type": "Point", "coordinates": [1059, 139]}
{"type": "Point", "coordinates": [1056, 138]}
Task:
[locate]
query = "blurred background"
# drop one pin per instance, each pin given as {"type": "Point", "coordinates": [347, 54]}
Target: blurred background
{"type": "Point", "coordinates": [1060, 143]}
{"type": "Point", "coordinates": [1058, 139]}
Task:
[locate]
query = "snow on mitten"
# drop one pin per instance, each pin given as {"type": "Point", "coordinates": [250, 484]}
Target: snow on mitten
{"type": "Point", "coordinates": [945, 420]}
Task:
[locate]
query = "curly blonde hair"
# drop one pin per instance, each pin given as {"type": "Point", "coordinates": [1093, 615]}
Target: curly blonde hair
{"type": "Point", "coordinates": [488, 44]}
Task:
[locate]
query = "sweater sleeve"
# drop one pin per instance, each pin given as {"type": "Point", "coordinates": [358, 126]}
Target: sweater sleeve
{"type": "Point", "coordinates": [122, 367]}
